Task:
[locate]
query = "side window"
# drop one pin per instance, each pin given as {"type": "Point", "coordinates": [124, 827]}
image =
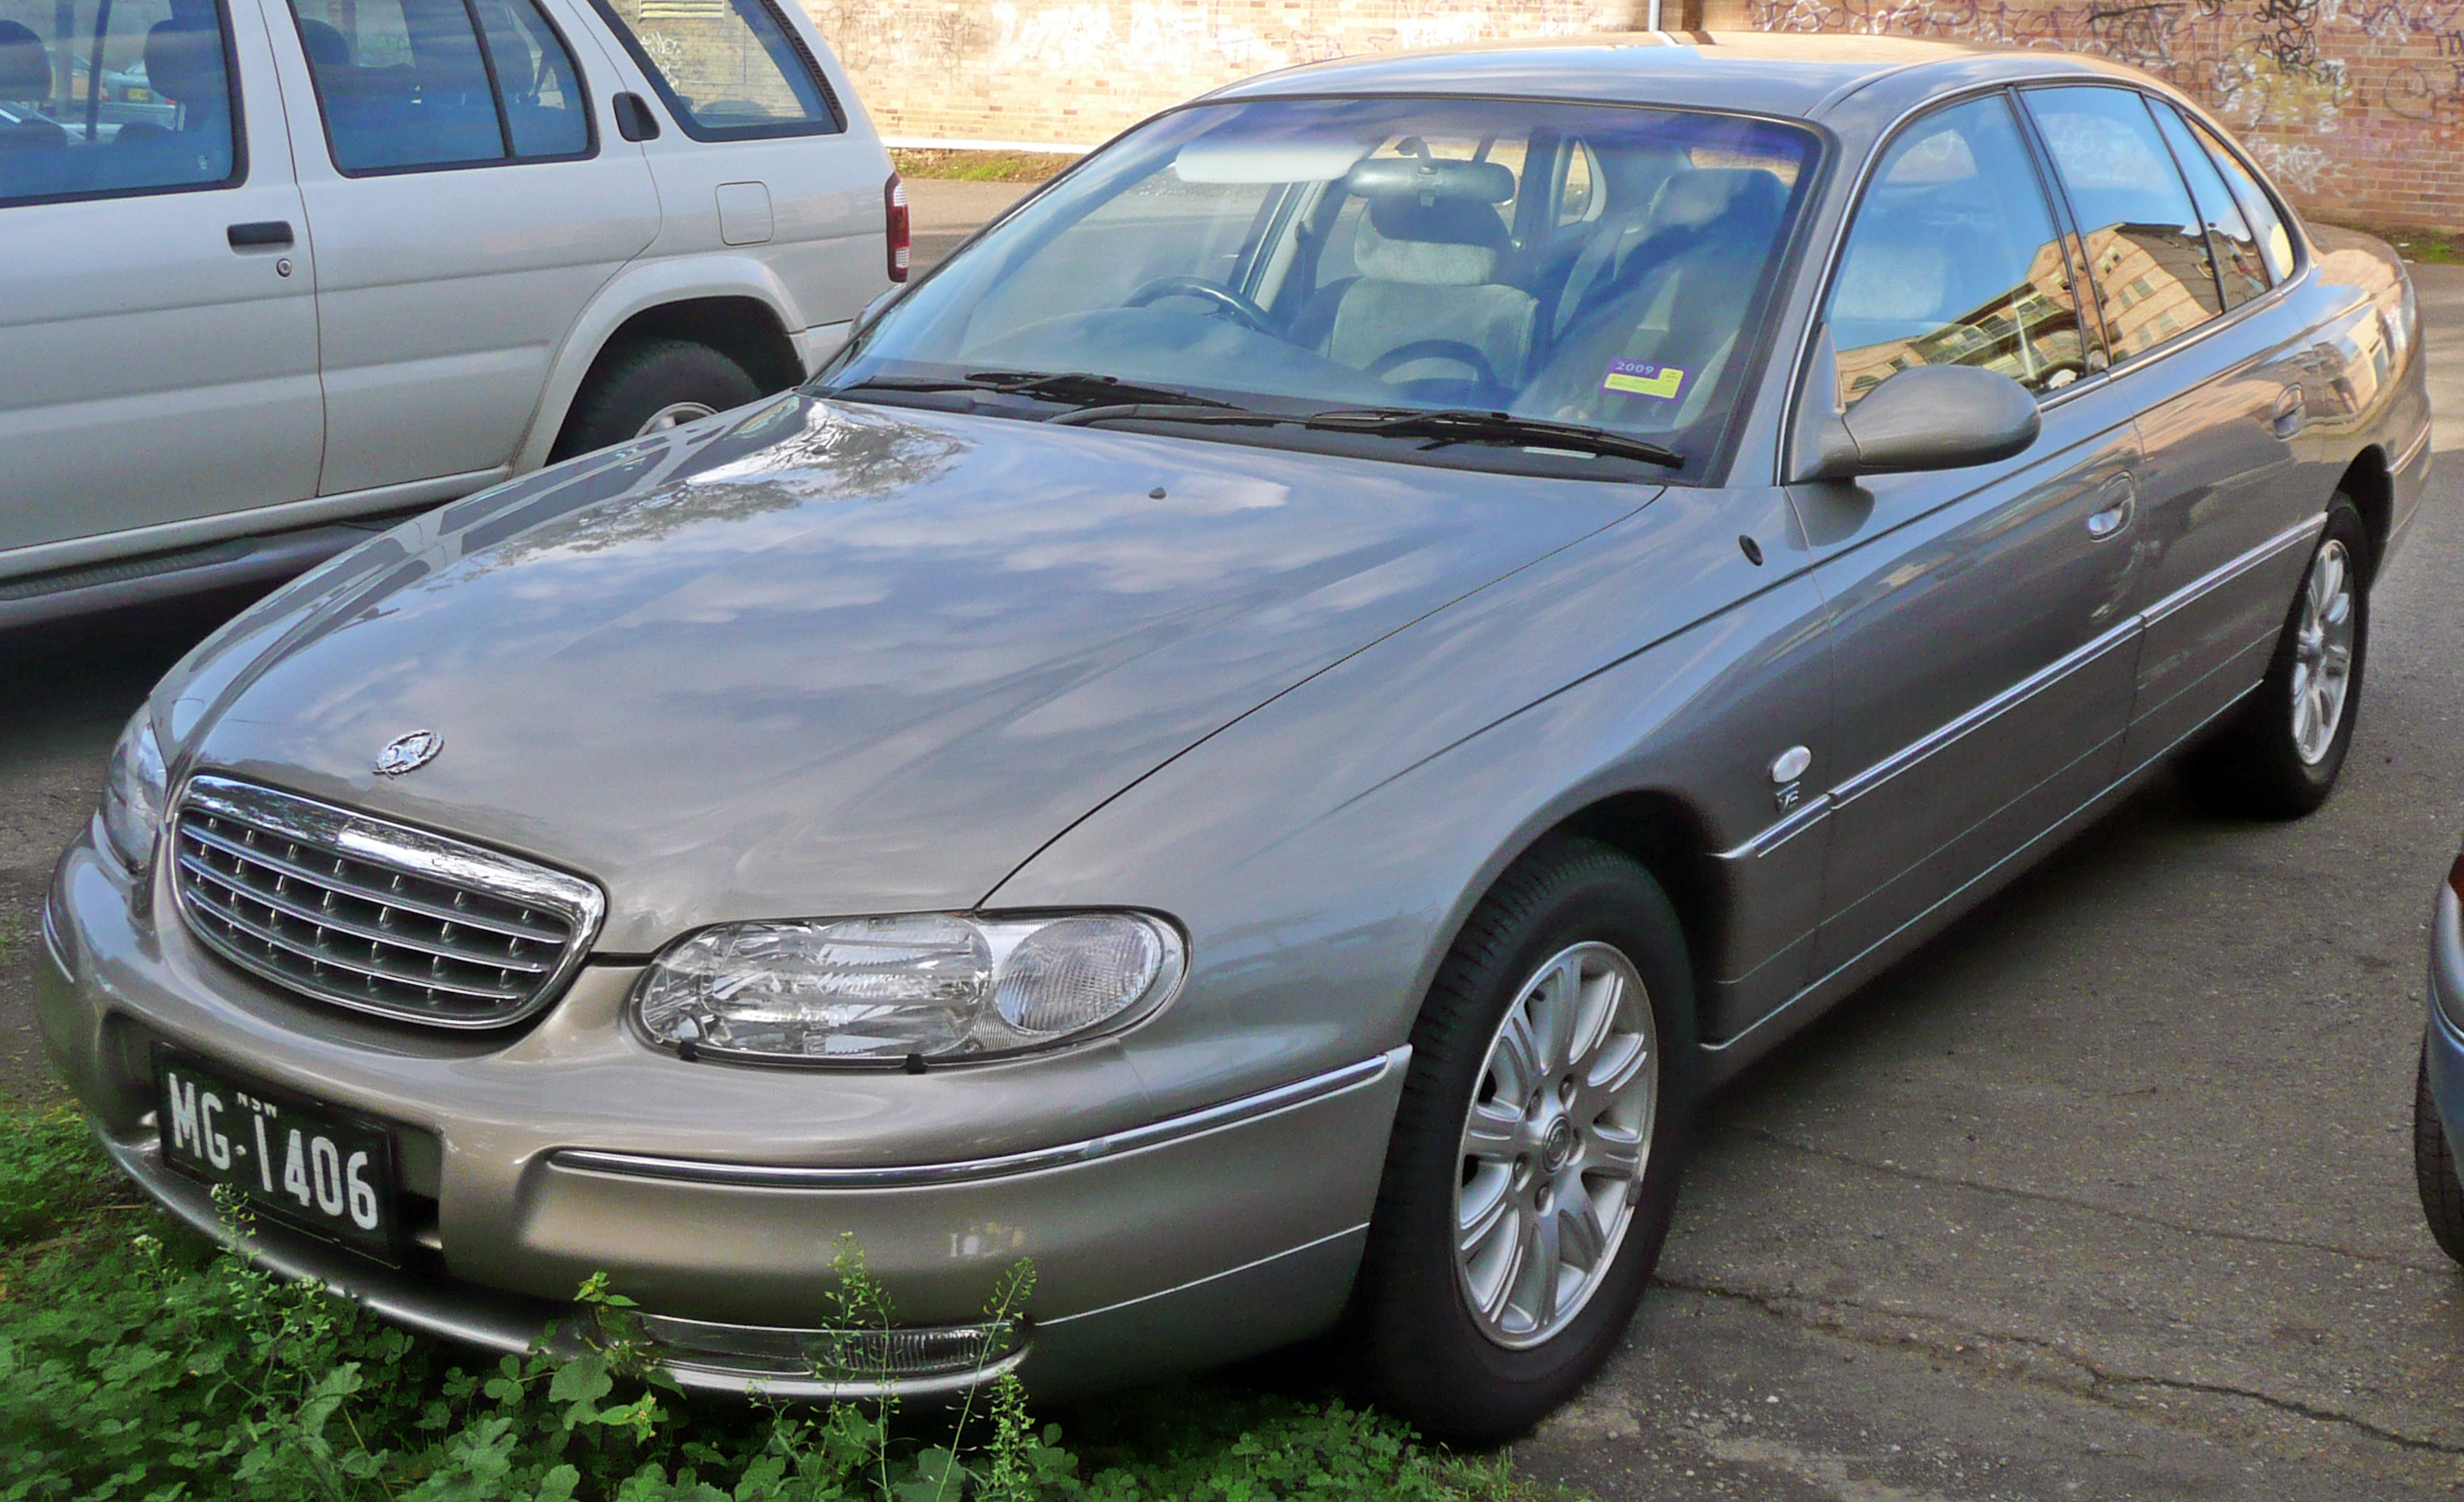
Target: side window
{"type": "Point", "coordinates": [99, 99]}
{"type": "Point", "coordinates": [1953, 259]}
{"type": "Point", "coordinates": [406, 84]}
{"type": "Point", "coordinates": [1579, 201]}
{"type": "Point", "coordinates": [2146, 246]}
{"type": "Point", "coordinates": [727, 68]}
{"type": "Point", "coordinates": [545, 112]}
{"type": "Point", "coordinates": [2274, 241]}
{"type": "Point", "coordinates": [2239, 269]}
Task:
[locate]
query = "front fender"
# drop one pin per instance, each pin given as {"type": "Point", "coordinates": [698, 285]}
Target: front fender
{"type": "Point", "coordinates": [1324, 850]}
{"type": "Point", "coordinates": [637, 289]}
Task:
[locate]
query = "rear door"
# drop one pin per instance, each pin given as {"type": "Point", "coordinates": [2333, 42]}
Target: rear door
{"type": "Point", "coordinates": [465, 202]}
{"type": "Point", "coordinates": [2214, 366]}
{"type": "Point", "coordinates": [1983, 640]}
{"type": "Point", "coordinates": [158, 327]}
{"type": "Point", "coordinates": [760, 153]}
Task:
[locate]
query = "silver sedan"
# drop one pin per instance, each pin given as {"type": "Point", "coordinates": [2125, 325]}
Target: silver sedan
{"type": "Point", "coordinates": [1262, 735]}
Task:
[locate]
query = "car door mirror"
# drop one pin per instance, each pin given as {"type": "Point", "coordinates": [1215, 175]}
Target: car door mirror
{"type": "Point", "coordinates": [1924, 417]}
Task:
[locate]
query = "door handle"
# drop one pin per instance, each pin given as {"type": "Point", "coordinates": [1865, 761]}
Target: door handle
{"type": "Point", "coordinates": [2290, 407]}
{"type": "Point", "coordinates": [634, 121]}
{"type": "Point", "coordinates": [264, 233]}
{"type": "Point", "coordinates": [2121, 499]}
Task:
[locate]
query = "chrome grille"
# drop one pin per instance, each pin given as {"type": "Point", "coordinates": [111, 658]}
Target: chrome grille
{"type": "Point", "coordinates": [371, 915]}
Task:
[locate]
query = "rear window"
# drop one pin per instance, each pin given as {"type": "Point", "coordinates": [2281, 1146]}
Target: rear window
{"type": "Point", "coordinates": [728, 69]}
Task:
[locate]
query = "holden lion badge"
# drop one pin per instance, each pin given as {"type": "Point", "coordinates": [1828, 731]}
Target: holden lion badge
{"type": "Point", "coordinates": [409, 753]}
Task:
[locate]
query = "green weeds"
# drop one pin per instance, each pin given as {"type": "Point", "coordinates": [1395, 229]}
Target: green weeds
{"type": "Point", "coordinates": [138, 1361]}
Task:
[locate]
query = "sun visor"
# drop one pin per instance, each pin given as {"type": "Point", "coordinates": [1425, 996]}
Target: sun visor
{"type": "Point", "coordinates": [1256, 157]}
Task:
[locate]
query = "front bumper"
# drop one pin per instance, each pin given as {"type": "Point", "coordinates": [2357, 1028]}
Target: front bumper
{"type": "Point", "coordinates": [2444, 1041]}
{"type": "Point", "coordinates": [718, 1195]}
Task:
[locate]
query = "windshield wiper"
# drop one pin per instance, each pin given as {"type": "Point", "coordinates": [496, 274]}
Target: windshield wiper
{"type": "Point", "coordinates": [1082, 388]}
{"type": "Point", "coordinates": [1463, 425]}
{"type": "Point", "coordinates": [1439, 425]}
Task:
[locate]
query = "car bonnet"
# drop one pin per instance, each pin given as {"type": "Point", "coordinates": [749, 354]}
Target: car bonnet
{"type": "Point", "coordinates": [828, 659]}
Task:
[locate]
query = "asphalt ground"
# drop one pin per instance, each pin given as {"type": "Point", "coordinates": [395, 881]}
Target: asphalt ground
{"type": "Point", "coordinates": [2105, 1193]}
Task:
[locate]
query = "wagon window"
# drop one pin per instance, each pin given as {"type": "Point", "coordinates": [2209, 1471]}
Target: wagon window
{"type": "Point", "coordinates": [1953, 259]}
{"type": "Point", "coordinates": [2147, 248]}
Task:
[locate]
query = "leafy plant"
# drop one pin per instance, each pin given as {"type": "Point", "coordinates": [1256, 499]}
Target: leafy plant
{"type": "Point", "coordinates": [139, 1361]}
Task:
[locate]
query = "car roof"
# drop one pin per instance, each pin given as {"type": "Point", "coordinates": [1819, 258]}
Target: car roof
{"type": "Point", "coordinates": [1767, 73]}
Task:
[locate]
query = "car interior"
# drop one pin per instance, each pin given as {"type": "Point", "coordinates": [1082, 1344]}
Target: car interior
{"type": "Point", "coordinates": [1453, 281]}
{"type": "Point", "coordinates": [69, 138]}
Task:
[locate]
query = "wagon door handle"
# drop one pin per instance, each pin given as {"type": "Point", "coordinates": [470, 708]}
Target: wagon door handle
{"type": "Point", "coordinates": [2289, 410]}
{"type": "Point", "coordinates": [265, 232]}
{"type": "Point", "coordinates": [2121, 499]}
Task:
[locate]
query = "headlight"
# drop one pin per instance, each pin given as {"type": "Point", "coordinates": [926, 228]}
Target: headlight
{"type": "Point", "coordinates": [883, 990]}
{"type": "Point", "coordinates": [133, 792]}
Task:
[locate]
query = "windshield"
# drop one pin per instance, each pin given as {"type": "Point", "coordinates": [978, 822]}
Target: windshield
{"type": "Point", "coordinates": [1584, 266]}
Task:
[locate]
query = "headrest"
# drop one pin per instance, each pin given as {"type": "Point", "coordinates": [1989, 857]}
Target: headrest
{"type": "Point", "coordinates": [324, 45]}
{"type": "Point", "coordinates": [1451, 242]}
{"type": "Point", "coordinates": [184, 61]}
{"type": "Point", "coordinates": [1693, 199]}
{"type": "Point", "coordinates": [1430, 177]}
{"type": "Point", "coordinates": [24, 67]}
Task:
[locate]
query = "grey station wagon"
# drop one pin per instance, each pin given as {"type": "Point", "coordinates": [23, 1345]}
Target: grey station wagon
{"type": "Point", "coordinates": [1260, 737]}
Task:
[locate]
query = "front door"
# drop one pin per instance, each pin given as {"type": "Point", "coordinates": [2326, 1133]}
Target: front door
{"type": "Point", "coordinates": [466, 204]}
{"type": "Point", "coordinates": [1982, 632]}
{"type": "Point", "coordinates": [158, 321]}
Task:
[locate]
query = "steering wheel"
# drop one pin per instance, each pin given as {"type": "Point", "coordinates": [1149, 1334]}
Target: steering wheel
{"type": "Point", "coordinates": [1453, 349]}
{"type": "Point", "coordinates": [1245, 313]}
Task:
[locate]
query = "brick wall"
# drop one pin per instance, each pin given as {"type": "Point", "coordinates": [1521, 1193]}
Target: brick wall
{"type": "Point", "coordinates": [2356, 106]}
{"type": "Point", "coordinates": [1020, 71]}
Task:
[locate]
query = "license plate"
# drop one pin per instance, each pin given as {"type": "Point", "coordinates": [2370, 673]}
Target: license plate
{"type": "Point", "coordinates": [291, 1158]}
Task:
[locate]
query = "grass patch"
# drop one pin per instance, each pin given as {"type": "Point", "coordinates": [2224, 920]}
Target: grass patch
{"type": "Point", "coordinates": [981, 166]}
{"type": "Point", "coordinates": [139, 1361]}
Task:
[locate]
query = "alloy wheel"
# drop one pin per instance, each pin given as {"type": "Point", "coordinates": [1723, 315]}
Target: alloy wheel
{"type": "Point", "coordinates": [675, 414]}
{"type": "Point", "coordinates": [1554, 1144]}
{"type": "Point", "coordinates": [2322, 653]}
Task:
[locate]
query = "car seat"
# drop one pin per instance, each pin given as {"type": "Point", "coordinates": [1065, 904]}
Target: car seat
{"type": "Point", "coordinates": [26, 79]}
{"type": "Point", "coordinates": [184, 63]}
{"type": "Point", "coordinates": [1424, 313]}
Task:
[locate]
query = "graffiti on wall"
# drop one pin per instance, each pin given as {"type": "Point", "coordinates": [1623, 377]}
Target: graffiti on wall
{"type": "Point", "coordinates": [2291, 74]}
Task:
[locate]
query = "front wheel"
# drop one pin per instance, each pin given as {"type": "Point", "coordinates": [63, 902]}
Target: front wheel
{"type": "Point", "coordinates": [2278, 756]}
{"type": "Point", "coordinates": [1535, 1163]}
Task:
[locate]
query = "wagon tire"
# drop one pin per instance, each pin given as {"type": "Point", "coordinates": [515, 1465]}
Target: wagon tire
{"type": "Point", "coordinates": [650, 385]}
{"type": "Point", "coordinates": [2279, 754]}
{"type": "Point", "coordinates": [1536, 1150]}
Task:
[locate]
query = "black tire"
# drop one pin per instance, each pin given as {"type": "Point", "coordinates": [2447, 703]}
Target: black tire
{"type": "Point", "coordinates": [1422, 1352]}
{"type": "Point", "coordinates": [642, 380]}
{"type": "Point", "coordinates": [2253, 766]}
{"type": "Point", "coordinates": [2433, 1168]}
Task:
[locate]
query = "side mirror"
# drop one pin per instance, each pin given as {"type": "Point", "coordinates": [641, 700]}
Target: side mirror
{"type": "Point", "coordinates": [1925, 417]}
